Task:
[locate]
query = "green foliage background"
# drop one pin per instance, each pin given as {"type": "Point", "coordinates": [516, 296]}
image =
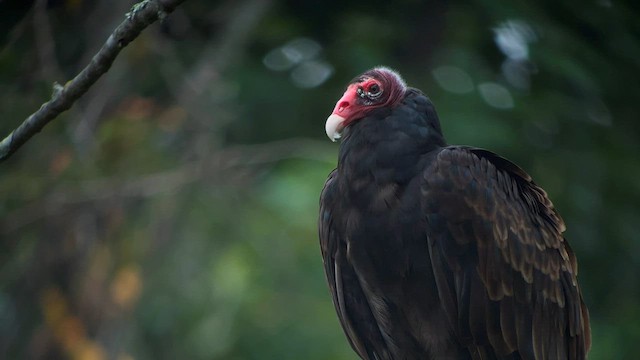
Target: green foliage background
{"type": "Point", "coordinates": [172, 212]}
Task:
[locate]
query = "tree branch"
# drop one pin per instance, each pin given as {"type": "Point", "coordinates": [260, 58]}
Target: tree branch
{"type": "Point", "coordinates": [142, 15]}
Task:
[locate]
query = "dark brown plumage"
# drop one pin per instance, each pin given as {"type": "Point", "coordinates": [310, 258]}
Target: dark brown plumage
{"type": "Point", "coordinates": [440, 252]}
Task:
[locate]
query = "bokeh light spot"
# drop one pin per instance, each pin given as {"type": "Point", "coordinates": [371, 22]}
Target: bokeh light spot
{"type": "Point", "coordinates": [496, 95]}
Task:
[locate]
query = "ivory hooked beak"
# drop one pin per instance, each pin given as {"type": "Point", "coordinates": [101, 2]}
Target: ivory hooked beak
{"type": "Point", "coordinates": [334, 127]}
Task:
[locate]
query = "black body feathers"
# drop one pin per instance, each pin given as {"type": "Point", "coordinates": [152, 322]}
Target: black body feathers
{"type": "Point", "coordinates": [444, 252]}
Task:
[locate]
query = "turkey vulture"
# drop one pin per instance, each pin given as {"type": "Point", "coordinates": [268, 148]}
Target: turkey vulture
{"type": "Point", "coordinates": [434, 251]}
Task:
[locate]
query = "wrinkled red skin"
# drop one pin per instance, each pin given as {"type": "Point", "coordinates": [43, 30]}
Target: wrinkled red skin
{"type": "Point", "coordinates": [353, 107]}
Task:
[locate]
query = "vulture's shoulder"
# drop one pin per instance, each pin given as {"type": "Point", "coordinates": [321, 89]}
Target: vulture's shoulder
{"type": "Point", "coordinates": [505, 274]}
{"type": "Point", "coordinates": [486, 182]}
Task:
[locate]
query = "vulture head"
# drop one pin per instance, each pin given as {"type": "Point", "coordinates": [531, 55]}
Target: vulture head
{"type": "Point", "coordinates": [378, 87]}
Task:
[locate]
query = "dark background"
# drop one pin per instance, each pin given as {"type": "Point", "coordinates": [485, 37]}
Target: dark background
{"type": "Point", "coordinates": [171, 213]}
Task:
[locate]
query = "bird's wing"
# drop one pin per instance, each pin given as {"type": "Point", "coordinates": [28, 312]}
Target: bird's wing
{"type": "Point", "coordinates": [505, 275]}
{"type": "Point", "coordinates": [349, 300]}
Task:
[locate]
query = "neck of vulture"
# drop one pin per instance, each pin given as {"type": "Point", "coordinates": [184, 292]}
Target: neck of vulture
{"type": "Point", "coordinates": [390, 144]}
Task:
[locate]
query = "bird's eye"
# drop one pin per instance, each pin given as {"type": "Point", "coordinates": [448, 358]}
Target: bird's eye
{"type": "Point", "coordinates": [374, 89]}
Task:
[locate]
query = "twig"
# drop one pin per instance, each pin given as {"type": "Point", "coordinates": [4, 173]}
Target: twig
{"type": "Point", "coordinates": [142, 15]}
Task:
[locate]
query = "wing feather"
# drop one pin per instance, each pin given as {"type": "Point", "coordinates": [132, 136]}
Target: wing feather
{"type": "Point", "coordinates": [329, 247]}
{"type": "Point", "coordinates": [505, 275]}
{"type": "Point", "coordinates": [348, 296]}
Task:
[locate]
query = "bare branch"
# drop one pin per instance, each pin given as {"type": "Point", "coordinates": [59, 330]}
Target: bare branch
{"type": "Point", "coordinates": [142, 15]}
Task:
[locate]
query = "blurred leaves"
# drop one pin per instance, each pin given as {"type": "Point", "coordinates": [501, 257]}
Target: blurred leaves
{"type": "Point", "coordinates": [172, 213]}
{"type": "Point", "coordinates": [68, 330]}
